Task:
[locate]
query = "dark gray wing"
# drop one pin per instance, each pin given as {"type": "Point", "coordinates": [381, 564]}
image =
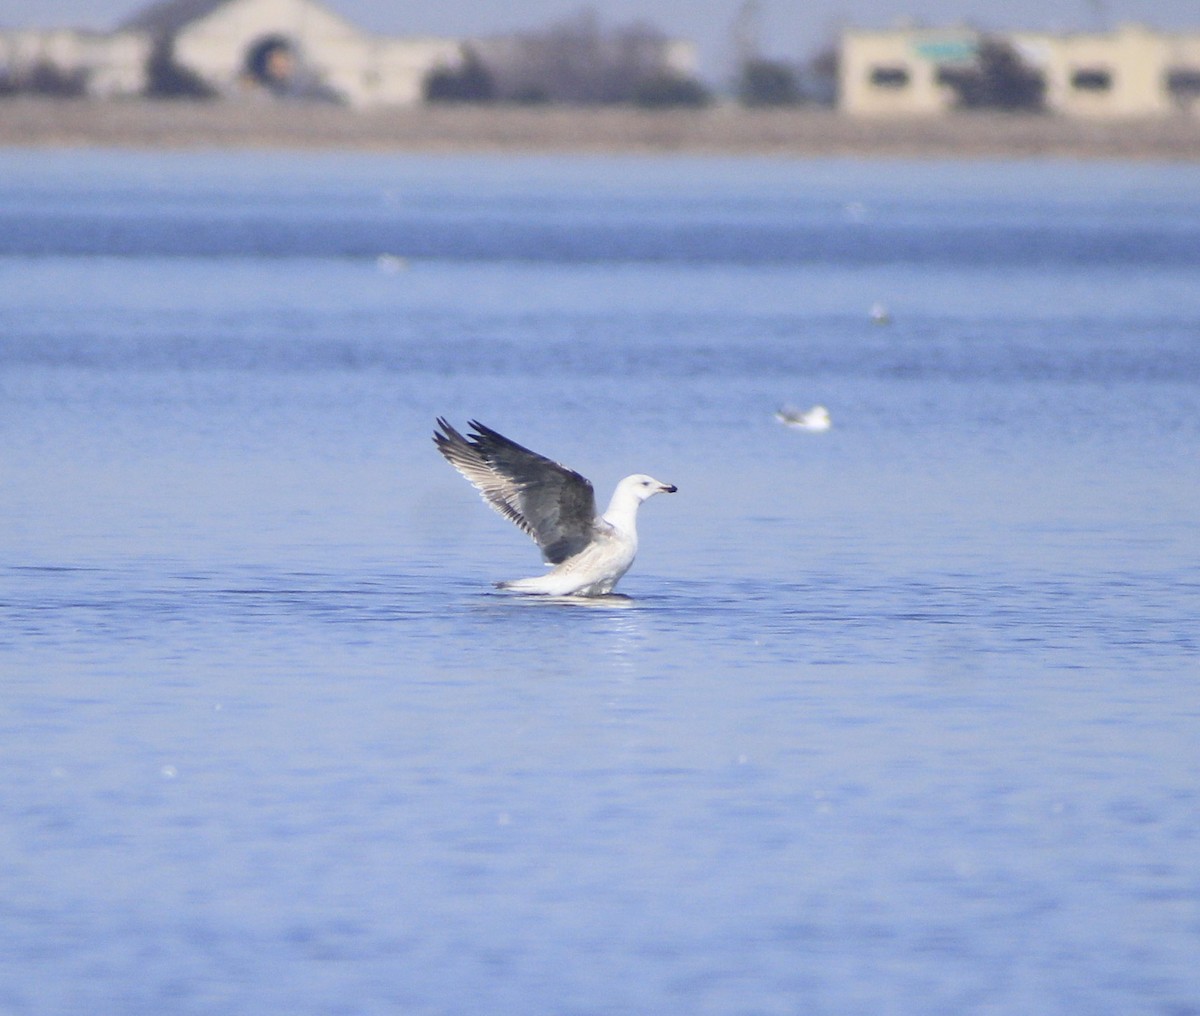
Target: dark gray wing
{"type": "Point", "coordinates": [553, 504]}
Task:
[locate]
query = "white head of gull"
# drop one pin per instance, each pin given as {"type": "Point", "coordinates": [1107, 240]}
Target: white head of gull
{"type": "Point", "coordinates": [556, 507]}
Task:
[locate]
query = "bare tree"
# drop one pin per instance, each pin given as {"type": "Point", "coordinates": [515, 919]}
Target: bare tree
{"type": "Point", "coordinates": [469, 82]}
{"type": "Point", "coordinates": [581, 61]}
{"type": "Point", "coordinates": [45, 78]}
{"type": "Point", "coordinates": [999, 79]}
{"type": "Point", "coordinates": [768, 83]}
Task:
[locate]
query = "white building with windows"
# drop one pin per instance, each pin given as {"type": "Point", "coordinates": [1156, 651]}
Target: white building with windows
{"type": "Point", "coordinates": [292, 47]}
{"type": "Point", "coordinates": [231, 48]}
{"type": "Point", "coordinates": [104, 64]}
{"type": "Point", "coordinates": [1130, 72]}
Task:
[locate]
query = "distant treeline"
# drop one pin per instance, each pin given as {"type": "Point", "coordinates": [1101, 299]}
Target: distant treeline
{"type": "Point", "coordinates": [44, 78]}
{"type": "Point", "coordinates": [581, 62]}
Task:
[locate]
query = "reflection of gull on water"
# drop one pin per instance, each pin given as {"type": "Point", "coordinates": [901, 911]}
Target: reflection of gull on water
{"type": "Point", "coordinates": [815, 419]}
{"type": "Point", "coordinates": [605, 603]}
{"type": "Point", "coordinates": [554, 505]}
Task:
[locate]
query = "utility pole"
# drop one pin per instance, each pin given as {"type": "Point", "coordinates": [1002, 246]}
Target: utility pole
{"type": "Point", "coordinates": [1099, 15]}
{"type": "Point", "coordinates": [747, 30]}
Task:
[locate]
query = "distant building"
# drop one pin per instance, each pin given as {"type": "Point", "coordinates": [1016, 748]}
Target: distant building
{"type": "Point", "coordinates": [66, 61]}
{"type": "Point", "coordinates": [1131, 72]}
{"type": "Point", "coordinates": [291, 47]}
{"type": "Point", "coordinates": [286, 48]}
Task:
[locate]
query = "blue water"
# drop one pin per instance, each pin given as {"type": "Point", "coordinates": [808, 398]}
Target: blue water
{"type": "Point", "coordinates": [902, 718]}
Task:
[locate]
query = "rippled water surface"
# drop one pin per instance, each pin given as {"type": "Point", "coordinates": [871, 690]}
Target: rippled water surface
{"type": "Point", "coordinates": [899, 718]}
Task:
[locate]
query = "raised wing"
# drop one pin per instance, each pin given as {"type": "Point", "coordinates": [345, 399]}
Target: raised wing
{"type": "Point", "coordinates": [554, 505]}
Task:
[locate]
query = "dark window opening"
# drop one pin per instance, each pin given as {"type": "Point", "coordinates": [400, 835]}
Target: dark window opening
{"type": "Point", "coordinates": [1184, 82]}
{"type": "Point", "coordinates": [889, 77]}
{"type": "Point", "coordinates": [272, 62]}
{"type": "Point", "coordinates": [1092, 80]}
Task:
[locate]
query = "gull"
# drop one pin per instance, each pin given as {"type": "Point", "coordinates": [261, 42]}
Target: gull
{"type": "Point", "coordinates": [391, 264]}
{"type": "Point", "coordinates": [815, 419]}
{"type": "Point", "coordinates": [556, 507]}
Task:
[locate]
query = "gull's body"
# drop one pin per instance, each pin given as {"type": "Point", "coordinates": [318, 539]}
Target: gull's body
{"type": "Point", "coordinates": [556, 507]}
{"type": "Point", "coordinates": [815, 419]}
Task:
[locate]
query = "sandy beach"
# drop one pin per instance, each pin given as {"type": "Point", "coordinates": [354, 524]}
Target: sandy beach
{"type": "Point", "coordinates": [26, 122]}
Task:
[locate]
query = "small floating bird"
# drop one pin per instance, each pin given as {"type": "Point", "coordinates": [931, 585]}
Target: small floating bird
{"type": "Point", "coordinates": [815, 419]}
{"type": "Point", "coordinates": [391, 264]}
{"type": "Point", "coordinates": [556, 507]}
{"type": "Point", "coordinates": [880, 315]}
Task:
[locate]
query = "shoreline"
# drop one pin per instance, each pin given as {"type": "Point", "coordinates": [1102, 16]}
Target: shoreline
{"type": "Point", "coordinates": [723, 130]}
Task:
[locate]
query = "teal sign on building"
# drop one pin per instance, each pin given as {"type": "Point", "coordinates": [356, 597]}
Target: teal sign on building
{"type": "Point", "coordinates": [947, 50]}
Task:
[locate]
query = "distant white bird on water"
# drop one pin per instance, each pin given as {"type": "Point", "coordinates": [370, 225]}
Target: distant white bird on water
{"type": "Point", "coordinates": [815, 419]}
{"type": "Point", "coordinates": [391, 264]}
{"type": "Point", "coordinates": [554, 505]}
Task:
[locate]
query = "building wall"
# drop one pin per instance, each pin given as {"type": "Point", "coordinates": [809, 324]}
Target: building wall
{"type": "Point", "coordinates": [887, 73]}
{"type": "Point", "coordinates": [356, 67]}
{"type": "Point", "coordinates": [386, 71]}
{"type": "Point", "coordinates": [1126, 73]}
{"type": "Point", "coordinates": [679, 57]}
{"type": "Point", "coordinates": [217, 47]}
{"type": "Point", "coordinates": [1101, 75]}
{"type": "Point", "coordinates": [335, 58]}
